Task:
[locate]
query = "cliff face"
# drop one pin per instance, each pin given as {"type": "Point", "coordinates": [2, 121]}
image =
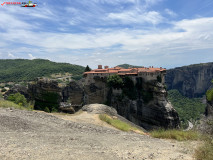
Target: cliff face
{"type": "Point", "coordinates": [209, 108]}
{"type": "Point", "coordinates": [151, 111]}
{"type": "Point", "coordinates": [149, 108]}
{"type": "Point", "coordinates": [73, 93]}
{"type": "Point", "coordinates": [45, 93]}
{"type": "Point", "coordinates": [191, 81]}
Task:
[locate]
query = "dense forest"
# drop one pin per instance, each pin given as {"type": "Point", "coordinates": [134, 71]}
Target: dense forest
{"type": "Point", "coordinates": [14, 70]}
{"type": "Point", "coordinates": [187, 108]}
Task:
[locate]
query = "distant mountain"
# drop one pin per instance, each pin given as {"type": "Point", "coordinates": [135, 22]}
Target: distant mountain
{"type": "Point", "coordinates": [126, 66]}
{"type": "Point", "coordinates": [14, 70]}
{"type": "Point", "coordinates": [191, 81]}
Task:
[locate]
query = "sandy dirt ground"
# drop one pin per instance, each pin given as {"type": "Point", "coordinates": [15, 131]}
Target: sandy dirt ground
{"type": "Point", "coordinates": [30, 135]}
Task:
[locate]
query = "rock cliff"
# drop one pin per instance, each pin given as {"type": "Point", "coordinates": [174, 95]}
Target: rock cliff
{"type": "Point", "coordinates": [149, 108]}
{"type": "Point", "coordinates": [144, 103]}
{"type": "Point", "coordinates": [191, 81]}
{"type": "Point", "coordinates": [45, 93]}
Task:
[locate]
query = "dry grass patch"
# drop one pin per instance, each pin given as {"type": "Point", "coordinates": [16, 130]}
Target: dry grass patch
{"type": "Point", "coordinates": [205, 151]}
{"type": "Point", "coordinates": [119, 124]}
{"type": "Point", "coordinates": [9, 104]}
{"type": "Point", "coordinates": [175, 134]}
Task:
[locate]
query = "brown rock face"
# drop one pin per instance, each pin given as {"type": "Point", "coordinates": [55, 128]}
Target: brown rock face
{"type": "Point", "coordinates": [95, 92]}
{"type": "Point", "coordinates": [45, 93]}
{"type": "Point", "coordinates": [73, 93]}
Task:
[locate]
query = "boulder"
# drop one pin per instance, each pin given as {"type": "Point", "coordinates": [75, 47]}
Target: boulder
{"type": "Point", "coordinates": [99, 109]}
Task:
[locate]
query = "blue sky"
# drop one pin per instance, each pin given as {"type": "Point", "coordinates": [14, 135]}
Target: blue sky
{"type": "Point", "coordinates": [167, 33]}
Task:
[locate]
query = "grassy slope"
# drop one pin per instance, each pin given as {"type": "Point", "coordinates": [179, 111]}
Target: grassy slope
{"type": "Point", "coordinates": [26, 70]}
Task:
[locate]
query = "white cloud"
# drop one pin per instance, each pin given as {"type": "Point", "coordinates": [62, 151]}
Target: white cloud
{"type": "Point", "coordinates": [170, 12]}
{"type": "Point", "coordinates": [10, 55]}
{"type": "Point", "coordinates": [31, 56]}
{"type": "Point", "coordinates": [130, 17]}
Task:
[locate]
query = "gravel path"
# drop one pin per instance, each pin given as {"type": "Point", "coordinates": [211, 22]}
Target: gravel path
{"type": "Point", "coordinates": [26, 135]}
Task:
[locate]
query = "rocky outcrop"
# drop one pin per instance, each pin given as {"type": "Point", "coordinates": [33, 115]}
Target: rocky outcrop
{"type": "Point", "coordinates": [150, 108]}
{"type": "Point", "coordinates": [96, 92]}
{"type": "Point", "coordinates": [73, 93]}
{"type": "Point", "coordinates": [18, 89]}
{"type": "Point", "coordinates": [191, 81]}
{"type": "Point", "coordinates": [147, 106]}
{"type": "Point", "coordinates": [45, 93]}
{"type": "Point", "coordinates": [151, 111]}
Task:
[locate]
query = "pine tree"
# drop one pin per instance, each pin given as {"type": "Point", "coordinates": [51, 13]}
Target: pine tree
{"type": "Point", "coordinates": [87, 69]}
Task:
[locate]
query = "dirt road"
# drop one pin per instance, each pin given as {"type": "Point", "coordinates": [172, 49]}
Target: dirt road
{"type": "Point", "coordinates": [40, 136]}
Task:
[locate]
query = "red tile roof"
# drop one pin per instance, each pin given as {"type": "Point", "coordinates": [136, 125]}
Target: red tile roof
{"type": "Point", "coordinates": [122, 71]}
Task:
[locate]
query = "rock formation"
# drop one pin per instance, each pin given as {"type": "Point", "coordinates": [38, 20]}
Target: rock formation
{"type": "Point", "coordinates": [191, 81]}
{"type": "Point", "coordinates": [18, 89]}
{"type": "Point", "coordinates": [73, 93]}
{"type": "Point", "coordinates": [147, 106]}
{"type": "Point", "coordinates": [150, 109]}
{"type": "Point", "coordinates": [45, 93]}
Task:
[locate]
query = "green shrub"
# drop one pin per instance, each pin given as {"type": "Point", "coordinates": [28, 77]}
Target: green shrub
{"type": "Point", "coordinates": [115, 81]}
{"type": "Point", "coordinates": [18, 99]}
{"type": "Point", "coordinates": [46, 109]}
{"type": "Point", "coordinates": [175, 134]}
{"type": "Point", "coordinates": [209, 95]}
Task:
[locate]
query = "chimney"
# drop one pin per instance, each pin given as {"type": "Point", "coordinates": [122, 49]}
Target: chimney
{"type": "Point", "coordinates": [106, 67]}
{"type": "Point", "coordinates": [99, 66]}
{"type": "Point", "coordinates": [160, 68]}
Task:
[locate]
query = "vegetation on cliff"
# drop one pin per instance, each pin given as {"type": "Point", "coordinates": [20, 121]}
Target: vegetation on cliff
{"type": "Point", "coordinates": [187, 108]}
{"type": "Point", "coordinates": [209, 93]}
{"type": "Point", "coordinates": [115, 81]}
{"type": "Point", "coordinates": [26, 70]}
{"type": "Point", "coordinates": [129, 89]}
{"type": "Point", "coordinates": [48, 102]}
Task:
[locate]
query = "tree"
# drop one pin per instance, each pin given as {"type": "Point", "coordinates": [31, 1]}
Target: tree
{"type": "Point", "coordinates": [115, 81]}
{"type": "Point", "coordinates": [87, 69]}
